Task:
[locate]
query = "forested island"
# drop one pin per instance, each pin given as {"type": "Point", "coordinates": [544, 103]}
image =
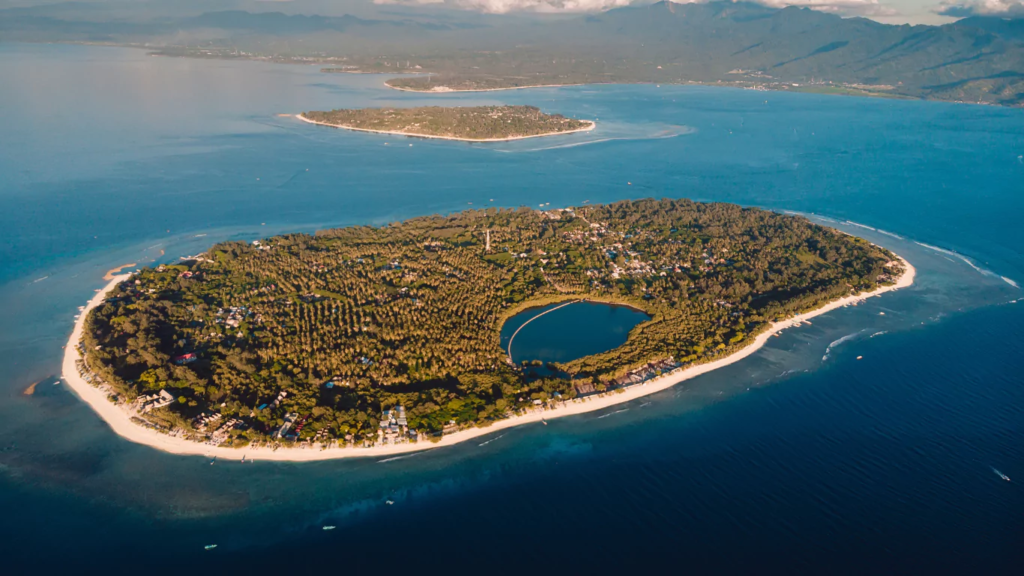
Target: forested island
{"type": "Point", "coordinates": [468, 123]}
{"type": "Point", "coordinates": [366, 335]}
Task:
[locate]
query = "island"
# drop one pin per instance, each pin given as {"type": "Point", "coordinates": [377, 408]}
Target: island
{"type": "Point", "coordinates": [483, 83]}
{"type": "Point", "coordinates": [465, 123]}
{"type": "Point", "coordinates": [381, 340]}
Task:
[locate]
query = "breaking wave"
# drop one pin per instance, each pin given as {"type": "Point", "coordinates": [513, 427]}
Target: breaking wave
{"type": "Point", "coordinates": [969, 262]}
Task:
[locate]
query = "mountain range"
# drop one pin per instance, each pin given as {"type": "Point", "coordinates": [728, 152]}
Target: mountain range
{"type": "Point", "coordinates": [977, 59]}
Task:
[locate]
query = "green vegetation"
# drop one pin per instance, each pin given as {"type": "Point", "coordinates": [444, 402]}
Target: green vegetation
{"type": "Point", "coordinates": [351, 321]}
{"type": "Point", "coordinates": [464, 123]}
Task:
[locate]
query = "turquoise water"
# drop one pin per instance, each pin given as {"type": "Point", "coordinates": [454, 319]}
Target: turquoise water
{"type": "Point", "coordinates": [799, 458]}
{"type": "Point", "coordinates": [567, 331]}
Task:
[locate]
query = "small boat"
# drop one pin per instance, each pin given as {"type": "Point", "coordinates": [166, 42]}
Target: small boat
{"type": "Point", "coordinates": [390, 502]}
{"type": "Point", "coordinates": [859, 357]}
{"type": "Point", "coordinates": [329, 527]}
{"type": "Point", "coordinates": [214, 461]}
{"type": "Point", "coordinates": [210, 546]}
{"type": "Point", "coordinates": [1001, 475]}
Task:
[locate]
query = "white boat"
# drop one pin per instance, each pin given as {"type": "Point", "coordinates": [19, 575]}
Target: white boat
{"type": "Point", "coordinates": [329, 527]}
{"type": "Point", "coordinates": [390, 502]}
{"type": "Point", "coordinates": [210, 546]}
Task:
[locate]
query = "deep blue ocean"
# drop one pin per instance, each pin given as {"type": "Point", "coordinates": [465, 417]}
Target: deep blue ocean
{"type": "Point", "coordinates": [800, 459]}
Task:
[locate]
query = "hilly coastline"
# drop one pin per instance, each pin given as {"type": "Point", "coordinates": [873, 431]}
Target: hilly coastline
{"type": "Point", "coordinates": [977, 59]}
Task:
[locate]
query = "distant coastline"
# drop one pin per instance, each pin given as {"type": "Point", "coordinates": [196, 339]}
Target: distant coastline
{"type": "Point", "coordinates": [119, 418]}
{"type": "Point", "coordinates": [591, 125]}
{"type": "Point", "coordinates": [447, 90]}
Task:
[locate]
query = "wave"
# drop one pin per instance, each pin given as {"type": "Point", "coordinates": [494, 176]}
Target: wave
{"type": "Point", "coordinates": [879, 230]}
{"type": "Point", "coordinates": [393, 458]}
{"type": "Point", "coordinates": [847, 338]}
{"type": "Point", "coordinates": [40, 279]}
{"type": "Point", "coordinates": [862, 226]}
{"type": "Point", "coordinates": [492, 440]}
{"type": "Point", "coordinates": [969, 262]}
{"type": "Point", "coordinates": [878, 333]}
{"type": "Point", "coordinates": [613, 413]}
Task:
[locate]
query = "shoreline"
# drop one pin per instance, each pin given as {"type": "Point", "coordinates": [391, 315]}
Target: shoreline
{"type": "Point", "coordinates": [415, 135]}
{"type": "Point", "coordinates": [453, 90]}
{"type": "Point", "coordinates": [120, 422]}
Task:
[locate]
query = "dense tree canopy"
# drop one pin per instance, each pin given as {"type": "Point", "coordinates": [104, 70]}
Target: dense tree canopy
{"type": "Point", "coordinates": [353, 320]}
{"type": "Point", "coordinates": [463, 122]}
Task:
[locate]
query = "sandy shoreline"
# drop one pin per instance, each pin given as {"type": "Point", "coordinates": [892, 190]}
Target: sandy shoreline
{"type": "Point", "coordinates": [588, 128]}
{"type": "Point", "coordinates": [120, 420]}
{"type": "Point", "coordinates": [453, 90]}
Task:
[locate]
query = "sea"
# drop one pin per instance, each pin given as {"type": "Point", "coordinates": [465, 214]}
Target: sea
{"type": "Point", "coordinates": [865, 443]}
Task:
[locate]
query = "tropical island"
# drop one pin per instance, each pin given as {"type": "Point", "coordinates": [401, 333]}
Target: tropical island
{"type": "Point", "coordinates": [479, 83]}
{"type": "Point", "coordinates": [375, 340]}
{"type": "Point", "coordinates": [466, 123]}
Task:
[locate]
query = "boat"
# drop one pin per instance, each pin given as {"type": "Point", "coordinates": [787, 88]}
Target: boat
{"type": "Point", "coordinates": [390, 502]}
{"type": "Point", "coordinates": [210, 546]}
{"type": "Point", "coordinates": [859, 357]}
{"type": "Point", "coordinates": [1001, 475]}
{"type": "Point", "coordinates": [329, 527]}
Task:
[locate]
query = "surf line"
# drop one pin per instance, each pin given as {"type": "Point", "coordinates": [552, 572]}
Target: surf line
{"type": "Point", "coordinates": [509, 349]}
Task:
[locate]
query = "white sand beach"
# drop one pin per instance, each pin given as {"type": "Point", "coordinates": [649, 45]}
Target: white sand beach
{"type": "Point", "coordinates": [590, 126]}
{"type": "Point", "coordinates": [446, 90]}
{"type": "Point", "coordinates": [119, 419]}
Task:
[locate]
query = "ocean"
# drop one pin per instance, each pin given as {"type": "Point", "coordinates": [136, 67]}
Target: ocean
{"type": "Point", "coordinates": [799, 459]}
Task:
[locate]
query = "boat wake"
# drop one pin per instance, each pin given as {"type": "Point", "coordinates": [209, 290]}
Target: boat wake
{"type": "Point", "coordinates": [673, 132]}
{"type": "Point", "coordinates": [847, 338]}
{"type": "Point", "coordinates": [878, 334]}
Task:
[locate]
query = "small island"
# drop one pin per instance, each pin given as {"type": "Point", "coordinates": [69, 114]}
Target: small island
{"type": "Point", "coordinates": [484, 83]}
{"type": "Point", "coordinates": [465, 123]}
{"type": "Point", "coordinates": [381, 340]}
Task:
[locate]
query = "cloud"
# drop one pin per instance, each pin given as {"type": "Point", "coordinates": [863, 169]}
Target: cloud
{"type": "Point", "coordinates": [842, 7]}
{"type": "Point", "coordinates": [963, 9]}
{"type": "Point", "coordinates": [506, 6]}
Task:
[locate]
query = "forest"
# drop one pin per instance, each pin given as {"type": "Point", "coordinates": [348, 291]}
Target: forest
{"type": "Point", "coordinates": [340, 325]}
{"type": "Point", "coordinates": [462, 122]}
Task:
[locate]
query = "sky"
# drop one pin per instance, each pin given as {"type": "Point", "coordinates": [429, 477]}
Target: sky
{"type": "Point", "coordinates": [888, 11]}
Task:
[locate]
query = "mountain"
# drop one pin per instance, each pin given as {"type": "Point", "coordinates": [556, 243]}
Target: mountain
{"type": "Point", "coordinates": [978, 59]}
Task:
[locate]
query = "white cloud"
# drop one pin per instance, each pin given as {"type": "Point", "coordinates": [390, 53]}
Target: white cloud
{"type": "Point", "coordinates": [962, 9]}
{"type": "Point", "coordinates": [408, 2]}
{"type": "Point", "coordinates": [843, 7]}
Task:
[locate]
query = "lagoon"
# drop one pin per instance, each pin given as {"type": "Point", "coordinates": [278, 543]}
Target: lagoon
{"type": "Point", "coordinates": [566, 331]}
